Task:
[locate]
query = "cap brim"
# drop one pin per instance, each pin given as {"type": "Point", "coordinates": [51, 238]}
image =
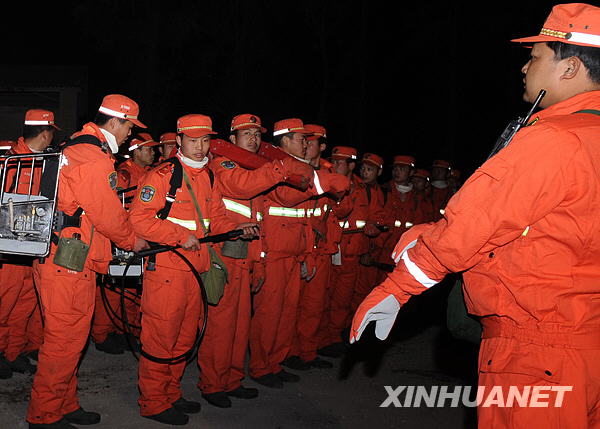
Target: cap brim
{"type": "Point", "coordinates": [246, 127]}
{"type": "Point", "coordinates": [198, 133]}
{"type": "Point", "coordinates": [538, 38]}
{"type": "Point", "coordinates": [150, 144]}
{"type": "Point", "coordinates": [137, 123]}
{"type": "Point", "coordinates": [343, 157]}
{"type": "Point", "coordinates": [55, 126]}
{"type": "Point", "coordinates": [368, 161]}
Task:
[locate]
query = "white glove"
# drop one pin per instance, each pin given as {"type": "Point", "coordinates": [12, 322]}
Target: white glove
{"type": "Point", "coordinates": [383, 313]}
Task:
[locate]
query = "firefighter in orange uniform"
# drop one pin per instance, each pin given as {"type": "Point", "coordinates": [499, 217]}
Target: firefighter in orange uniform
{"type": "Point", "coordinates": [90, 208]}
{"type": "Point", "coordinates": [424, 206]}
{"type": "Point", "coordinates": [171, 302]}
{"type": "Point", "coordinates": [314, 291]}
{"type": "Point", "coordinates": [399, 209]}
{"type": "Point", "coordinates": [368, 272]}
{"type": "Point", "coordinates": [223, 350]}
{"type": "Point", "coordinates": [168, 143]}
{"type": "Point", "coordinates": [131, 171]}
{"type": "Point", "coordinates": [440, 190]}
{"type": "Point", "coordinates": [18, 300]}
{"type": "Point", "coordinates": [353, 215]}
{"type": "Point", "coordinates": [106, 336]}
{"type": "Point", "coordinates": [524, 229]}
{"type": "Point", "coordinates": [288, 238]}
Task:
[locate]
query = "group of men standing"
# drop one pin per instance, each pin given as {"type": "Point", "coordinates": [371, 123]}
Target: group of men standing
{"type": "Point", "coordinates": [304, 220]}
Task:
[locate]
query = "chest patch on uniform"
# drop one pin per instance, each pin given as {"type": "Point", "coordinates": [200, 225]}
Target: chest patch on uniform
{"type": "Point", "coordinates": [112, 180]}
{"type": "Point", "coordinates": [228, 164]}
{"type": "Point", "coordinates": [147, 193]}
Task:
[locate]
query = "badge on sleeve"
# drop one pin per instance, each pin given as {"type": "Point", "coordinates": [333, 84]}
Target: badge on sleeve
{"type": "Point", "coordinates": [112, 180]}
{"type": "Point", "coordinates": [147, 193]}
{"type": "Point", "coordinates": [228, 164]}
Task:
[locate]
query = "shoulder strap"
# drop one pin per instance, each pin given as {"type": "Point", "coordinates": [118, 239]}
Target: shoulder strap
{"type": "Point", "coordinates": [174, 184]}
{"type": "Point", "coordinates": [592, 111]}
{"type": "Point", "coordinates": [84, 139]}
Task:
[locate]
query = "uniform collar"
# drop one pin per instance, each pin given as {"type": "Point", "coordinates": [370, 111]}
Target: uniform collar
{"type": "Point", "coordinates": [111, 140]}
{"type": "Point", "coordinates": [585, 100]}
{"type": "Point", "coordinates": [191, 163]}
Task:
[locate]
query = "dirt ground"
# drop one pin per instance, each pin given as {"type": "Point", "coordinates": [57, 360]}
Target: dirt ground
{"type": "Point", "coordinates": [421, 352]}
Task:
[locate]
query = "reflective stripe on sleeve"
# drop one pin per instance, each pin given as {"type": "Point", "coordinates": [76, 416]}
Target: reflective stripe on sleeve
{"type": "Point", "coordinates": [412, 268]}
{"type": "Point", "coordinates": [286, 212]}
{"type": "Point", "coordinates": [238, 208]}
{"type": "Point", "coordinates": [317, 183]}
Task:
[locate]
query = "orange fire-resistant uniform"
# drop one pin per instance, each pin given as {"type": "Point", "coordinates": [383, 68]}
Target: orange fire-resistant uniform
{"type": "Point", "coordinates": [18, 299]}
{"type": "Point", "coordinates": [525, 230]}
{"type": "Point", "coordinates": [368, 275]}
{"type": "Point", "coordinates": [288, 238]}
{"type": "Point", "coordinates": [87, 180]}
{"type": "Point", "coordinates": [171, 302]}
{"type": "Point", "coordinates": [223, 350]}
{"type": "Point", "coordinates": [439, 199]}
{"type": "Point", "coordinates": [128, 174]}
{"type": "Point", "coordinates": [353, 214]}
{"type": "Point", "coordinates": [315, 292]}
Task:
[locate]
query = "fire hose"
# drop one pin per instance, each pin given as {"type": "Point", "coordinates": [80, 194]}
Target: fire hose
{"type": "Point", "coordinates": [127, 326]}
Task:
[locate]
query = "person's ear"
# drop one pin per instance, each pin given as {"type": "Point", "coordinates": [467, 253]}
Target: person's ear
{"type": "Point", "coordinates": [572, 66]}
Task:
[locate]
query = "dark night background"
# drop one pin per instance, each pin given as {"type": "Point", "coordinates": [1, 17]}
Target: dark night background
{"type": "Point", "coordinates": [427, 79]}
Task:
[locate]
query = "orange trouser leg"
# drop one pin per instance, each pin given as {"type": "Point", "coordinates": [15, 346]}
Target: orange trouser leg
{"type": "Point", "coordinates": [274, 322]}
{"type": "Point", "coordinates": [313, 297]}
{"type": "Point", "coordinates": [35, 329]}
{"type": "Point", "coordinates": [68, 304]}
{"type": "Point", "coordinates": [323, 333]}
{"type": "Point", "coordinates": [366, 280]}
{"type": "Point", "coordinates": [223, 350]}
{"type": "Point", "coordinates": [341, 296]}
{"type": "Point", "coordinates": [19, 318]}
{"type": "Point", "coordinates": [132, 307]}
{"type": "Point", "coordinates": [17, 301]}
{"type": "Point", "coordinates": [170, 316]}
{"type": "Point", "coordinates": [509, 362]}
{"type": "Point", "coordinates": [102, 325]}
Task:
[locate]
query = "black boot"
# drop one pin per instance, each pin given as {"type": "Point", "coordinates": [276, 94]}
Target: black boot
{"type": "Point", "coordinates": [287, 377]}
{"type": "Point", "coordinates": [61, 424]}
{"type": "Point", "coordinates": [112, 345]}
{"type": "Point", "coordinates": [294, 362]}
{"type": "Point", "coordinates": [218, 399]}
{"type": "Point", "coordinates": [269, 380]}
{"type": "Point", "coordinates": [243, 392]}
{"type": "Point", "coordinates": [82, 417]}
{"type": "Point", "coordinates": [187, 407]}
{"type": "Point", "coordinates": [170, 416]}
{"type": "Point", "coordinates": [22, 364]}
{"type": "Point", "coordinates": [319, 363]}
{"type": "Point", "coordinates": [5, 371]}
